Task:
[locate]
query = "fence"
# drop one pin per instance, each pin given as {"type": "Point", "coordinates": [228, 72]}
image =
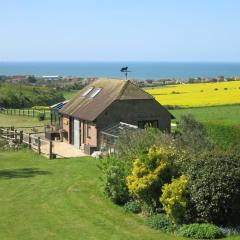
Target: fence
{"type": "Point", "coordinates": [29, 112]}
{"type": "Point", "coordinates": [33, 141]}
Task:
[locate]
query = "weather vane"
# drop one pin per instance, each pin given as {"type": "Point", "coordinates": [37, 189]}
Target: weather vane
{"type": "Point", "coordinates": [125, 70]}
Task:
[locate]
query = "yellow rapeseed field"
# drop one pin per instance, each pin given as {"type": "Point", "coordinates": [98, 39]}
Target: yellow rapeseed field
{"type": "Point", "coordinates": [198, 94]}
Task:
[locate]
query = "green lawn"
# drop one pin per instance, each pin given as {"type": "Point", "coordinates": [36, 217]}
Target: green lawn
{"type": "Point", "coordinates": [222, 122]}
{"type": "Point", "coordinates": [61, 199]}
{"type": "Point", "coordinates": [21, 121]}
{"type": "Point", "coordinates": [229, 115]}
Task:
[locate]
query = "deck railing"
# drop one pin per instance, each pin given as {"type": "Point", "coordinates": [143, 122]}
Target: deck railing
{"type": "Point", "coordinates": [32, 140]}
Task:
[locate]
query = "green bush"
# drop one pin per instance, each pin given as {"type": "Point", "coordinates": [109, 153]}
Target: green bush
{"type": "Point", "coordinates": [200, 231]}
{"type": "Point", "coordinates": [3, 143]}
{"type": "Point", "coordinates": [192, 135]}
{"type": "Point", "coordinates": [160, 222]}
{"type": "Point", "coordinates": [113, 178]}
{"type": "Point", "coordinates": [130, 144]}
{"type": "Point", "coordinates": [214, 180]}
{"type": "Point", "coordinates": [133, 207]}
{"type": "Point", "coordinates": [11, 97]}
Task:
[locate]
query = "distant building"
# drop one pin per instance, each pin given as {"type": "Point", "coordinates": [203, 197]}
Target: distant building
{"type": "Point", "coordinates": [55, 77]}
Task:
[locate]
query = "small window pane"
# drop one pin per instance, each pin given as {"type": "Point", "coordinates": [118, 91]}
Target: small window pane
{"type": "Point", "coordinates": [87, 92]}
{"type": "Point", "coordinates": [96, 92]}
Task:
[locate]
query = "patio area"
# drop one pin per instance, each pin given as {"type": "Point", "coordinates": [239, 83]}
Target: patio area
{"type": "Point", "coordinates": [62, 150]}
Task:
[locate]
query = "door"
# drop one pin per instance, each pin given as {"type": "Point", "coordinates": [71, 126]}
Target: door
{"type": "Point", "coordinates": [76, 126]}
{"type": "Point", "coordinates": [71, 132]}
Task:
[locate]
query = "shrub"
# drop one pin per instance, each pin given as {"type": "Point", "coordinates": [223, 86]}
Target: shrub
{"type": "Point", "coordinates": [3, 143]}
{"type": "Point", "coordinates": [229, 231]}
{"type": "Point", "coordinates": [150, 172]}
{"type": "Point", "coordinates": [214, 180]}
{"type": "Point", "coordinates": [200, 231]}
{"type": "Point", "coordinates": [130, 145]}
{"type": "Point", "coordinates": [116, 168]}
{"type": "Point", "coordinates": [160, 222]}
{"type": "Point", "coordinates": [114, 179]}
{"type": "Point", "coordinates": [41, 116]}
{"type": "Point", "coordinates": [174, 199]}
{"type": "Point", "coordinates": [133, 207]}
{"type": "Point", "coordinates": [192, 135]}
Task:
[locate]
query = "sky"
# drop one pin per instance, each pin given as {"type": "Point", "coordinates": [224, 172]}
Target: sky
{"type": "Point", "coordinates": [126, 30]}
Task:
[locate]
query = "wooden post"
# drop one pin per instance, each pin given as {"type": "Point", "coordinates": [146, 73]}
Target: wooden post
{"type": "Point", "coordinates": [39, 145]}
{"type": "Point", "coordinates": [11, 132]}
{"type": "Point", "coordinates": [50, 150]}
{"type": "Point", "coordinates": [33, 112]}
{"type": "Point", "coordinates": [21, 137]}
{"type": "Point", "coordinates": [15, 135]}
{"type": "Point", "coordinates": [7, 133]}
{"type": "Point", "coordinates": [29, 140]}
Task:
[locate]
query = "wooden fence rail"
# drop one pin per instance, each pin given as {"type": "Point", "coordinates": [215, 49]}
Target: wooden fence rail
{"type": "Point", "coordinates": [29, 112]}
{"type": "Point", "coordinates": [31, 139]}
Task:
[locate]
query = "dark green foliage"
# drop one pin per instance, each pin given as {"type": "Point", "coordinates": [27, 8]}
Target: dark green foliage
{"type": "Point", "coordinates": [16, 96]}
{"type": "Point", "coordinates": [133, 207]}
{"type": "Point", "coordinates": [214, 187]}
{"type": "Point", "coordinates": [160, 222]}
{"type": "Point", "coordinates": [200, 231]}
{"type": "Point", "coordinates": [192, 135]}
{"type": "Point", "coordinates": [114, 179]}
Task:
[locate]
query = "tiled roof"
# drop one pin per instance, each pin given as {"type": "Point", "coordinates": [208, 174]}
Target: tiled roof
{"type": "Point", "coordinates": [86, 106]}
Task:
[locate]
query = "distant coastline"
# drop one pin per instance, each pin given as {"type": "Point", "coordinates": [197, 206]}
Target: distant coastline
{"type": "Point", "coordinates": [139, 70]}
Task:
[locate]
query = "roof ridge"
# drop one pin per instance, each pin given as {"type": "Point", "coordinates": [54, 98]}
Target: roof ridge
{"type": "Point", "coordinates": [135, 85]}
{"type": "Point", "coordinates": [123, 88]}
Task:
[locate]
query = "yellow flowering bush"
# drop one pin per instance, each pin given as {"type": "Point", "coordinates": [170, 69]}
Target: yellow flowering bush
{"type": "Point", "coordinates": [174, 198]}
{"type": "Point", "coordinates": [150, 173]}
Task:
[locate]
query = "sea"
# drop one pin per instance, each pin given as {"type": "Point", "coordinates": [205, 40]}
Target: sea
{"type": "Point", "coordinates": [138, 70]}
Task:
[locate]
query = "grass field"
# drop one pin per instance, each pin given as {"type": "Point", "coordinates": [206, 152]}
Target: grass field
{"type": "Point", "coordinates": [61, 199]}
{"type": "Point", "coordinates": [198, 95]}
{"type": "Point", "coordinates": [222, 122]}
{"type": "Point", "coordinates": [228, 115]}
{"type": "Point", "coordinates": [20, 121]}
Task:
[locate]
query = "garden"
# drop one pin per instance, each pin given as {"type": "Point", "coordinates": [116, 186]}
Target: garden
{"type": "Point", "coordinates": [181, 183]}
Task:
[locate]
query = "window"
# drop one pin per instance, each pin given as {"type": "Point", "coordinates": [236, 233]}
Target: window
{"type": "Point", "coordinates": [88, 131]}
{"type": "Point", "coordinates": [87, 92]}
{"type": "Point", "coordinates": [96, 92]}
{"type": "Point", "coordinates": [145, 123]}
